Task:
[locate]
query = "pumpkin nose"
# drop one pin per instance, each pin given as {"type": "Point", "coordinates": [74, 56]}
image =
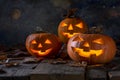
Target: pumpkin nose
{"type": "Point", "coordinates": [70, 27]}
{"type": "Point", "coordinates": [40, 45]}
{"type": "Point", "coordinates": [86, 44]}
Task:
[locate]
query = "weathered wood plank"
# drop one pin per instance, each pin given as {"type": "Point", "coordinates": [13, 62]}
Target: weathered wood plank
{"type": "Point", "coordinates": [8, 74]}
{"type": "Point", "coordinates": [6, 78]}
{"type": "Point", "coordinates": [114, 75]}
{"type": "Point", "coordinates": [23, 72]}
{"type": "Point", "coordinates": [96, 74]}
{"type": "Point", "coordinates": [46, 71]}
{"type": "Point", "coordinates": [20, 72]}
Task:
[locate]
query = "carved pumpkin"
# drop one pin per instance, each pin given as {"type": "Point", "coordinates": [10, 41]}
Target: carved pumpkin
{"type": "Point", "coordinates": [93, 48]}
{"type": "Point", "coordinates": [69, 27]}
{"type": "Point", "coordinates": [43, 44]}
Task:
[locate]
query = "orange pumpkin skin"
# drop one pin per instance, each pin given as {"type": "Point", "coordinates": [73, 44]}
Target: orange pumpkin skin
{"type": "Point", "coordinates": [43, 44]}
{"type": "Point", "coordinates": [69, 27]}
{"type": "Point", "coordinates": [93, 48]}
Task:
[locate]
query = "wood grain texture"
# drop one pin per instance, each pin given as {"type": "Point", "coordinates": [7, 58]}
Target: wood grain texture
{"type": "Point", "coordinates": [46, 71]}
{"type": "Point", "coordinates": [96, 74]}
{"type": "Point", "coordinates": [114, 75]}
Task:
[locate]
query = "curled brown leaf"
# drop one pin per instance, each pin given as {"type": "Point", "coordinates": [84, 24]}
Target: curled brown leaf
{"type": "Point", "coordinates": [78, 64]}
{"type": "Point", "coordinates": [12, 64]}
{"type": "Point", "coordinates": [29, 60]}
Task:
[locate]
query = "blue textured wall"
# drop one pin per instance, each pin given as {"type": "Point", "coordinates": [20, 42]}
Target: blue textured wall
{"type": "Point", "coordinates": [18, 18]}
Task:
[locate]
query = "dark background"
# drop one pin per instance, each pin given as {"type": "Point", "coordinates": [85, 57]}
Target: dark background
{"type": "Point", "coordinates": [19, 18]}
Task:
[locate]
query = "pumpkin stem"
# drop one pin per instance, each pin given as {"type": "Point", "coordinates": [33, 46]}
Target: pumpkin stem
{"type": "Point", "coordinates": [39, 30]}
{"type": "Point", "coordinates": [71, 13]}
{"type": "Point", "coordinates": [95, 30]}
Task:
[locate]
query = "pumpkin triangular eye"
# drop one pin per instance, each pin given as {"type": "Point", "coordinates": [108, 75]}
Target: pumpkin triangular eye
{"type": "Point", "coordinates": [64, 24]}
{"type": "Point", "coordinates": [98, 41]}
{"type": "Point", "coordinates": [34, 42]}
{"type": "Point", "coordinates": [79, 25]}
{"type": "Point", "coordinates": [48, 41]}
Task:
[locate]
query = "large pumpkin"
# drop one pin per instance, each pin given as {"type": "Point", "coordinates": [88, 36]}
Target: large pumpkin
{"type": "Point", "coordinates": [69, 27]}
{"type": "Point", "coordinates": [43, 44]}
{"type": "Point", "coordinates": [93, 48]}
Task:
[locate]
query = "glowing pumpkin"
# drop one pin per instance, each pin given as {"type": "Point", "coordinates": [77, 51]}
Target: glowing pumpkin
{"type": "Point", "coordinates": [43, 44]}
{"type": "Point", "coordinates": [93, 48]}
{"type": "Point", "coordinates": [69, 27]}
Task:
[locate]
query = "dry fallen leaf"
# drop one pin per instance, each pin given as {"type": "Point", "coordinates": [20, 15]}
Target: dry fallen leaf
{"type": "Point", "coordinates": [29, 60]}
{"type": "Point", "coordinates": [17, 58]}
{"type": "Point", "coordinates": [3, 56]}
{"type": "Point", "coordinates": [21, 54]}
{"type": "Point", "coordinates": [12, 64]}
{"type": "Point", "coordinates": [58, 61]}
{"type": "Point", "coordinates": [78, 64]}
{"type": "Point", "coordinates": [17, 53]}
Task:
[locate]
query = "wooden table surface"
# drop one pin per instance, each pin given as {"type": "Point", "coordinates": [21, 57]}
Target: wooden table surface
{"type": "Point", "coordinates": [44, 70]}
{"type": "Point", "coordinates": [54, 69]}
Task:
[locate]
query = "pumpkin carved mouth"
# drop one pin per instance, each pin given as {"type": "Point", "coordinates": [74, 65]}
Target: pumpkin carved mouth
{"type": "Point", "coordinates": [69, 35]}
{"type": "Point", "coordinates": [83, 53]}
{"type": "Point", "coordinates": [39, 52]}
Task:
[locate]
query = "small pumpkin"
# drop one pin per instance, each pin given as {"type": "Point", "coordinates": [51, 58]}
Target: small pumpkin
{"type": "Point", "coordinates": [71, 26]}
{"type": "Point", "coordinates": [93, 48]}
{"type": "Point", "coordinates": [43, 44]}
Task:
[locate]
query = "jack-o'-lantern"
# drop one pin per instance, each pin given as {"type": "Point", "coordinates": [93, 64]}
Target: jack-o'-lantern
{"type": "Point", "coordinates": [71, 26]}
{"type": "Point", "coordinates": [43, 44]}
{"type": "Point", "coordinates": [93, 48]}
